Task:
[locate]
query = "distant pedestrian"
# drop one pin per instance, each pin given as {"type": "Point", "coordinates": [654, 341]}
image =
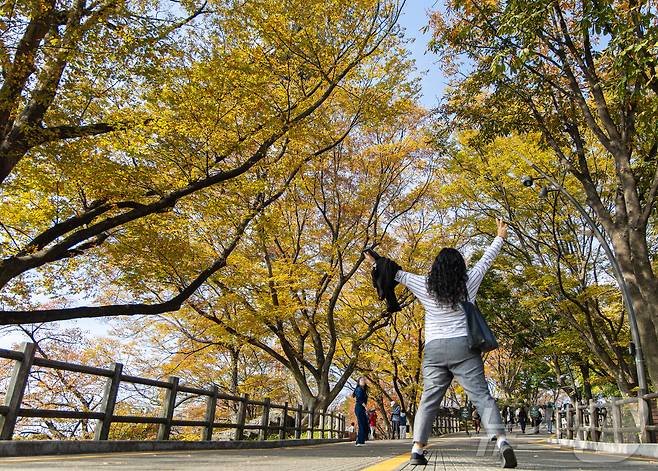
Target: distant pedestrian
{"type": "Point", "coordinates": [360, 395]}
{"type": "Point", "coordinates": [403, 425]}
{"type": "Point", "coordinates": [352, 431]}
{"type": "Point", "coordinates": [476, 421]}
{"type": "Point", "coordinates": [373, 423]}
{"type": "Point", "coordinates": [395, 420]}
{"type": "Point", "coordinates": [522, 415]}
{"type": "Point", "coordinates": [549, 412]}
{"type": "Point", "coordinates": [510, 419]}
{"type": "Point", "coordinates": [535, 413]}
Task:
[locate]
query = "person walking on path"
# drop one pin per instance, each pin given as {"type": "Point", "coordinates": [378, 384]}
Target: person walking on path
{"type": "Point", "coordinates": [548, 415]}
{"type": "Point", "coordinates": [510, 418]}
{"type": "Point", "coordinates": [403, 425]}
{"type": "Point", "coordinates": [536, 418]}
{"type": "Point", "coordinates": [360, 395]}
{"type": "Point", "coordinates": [523, 418]}
{"type": "Point", "coordinates": [476, 421]}
{"type": "Point", "coordinates": [373, 423]}
{"type": "Point", "coordinates": [447, 352]}
{"type": "Point", "coordinates": [395, 420]}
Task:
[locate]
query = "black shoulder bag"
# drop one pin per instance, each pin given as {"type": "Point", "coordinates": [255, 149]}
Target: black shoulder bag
{"type": "Point", "coordinates": [480, 336]}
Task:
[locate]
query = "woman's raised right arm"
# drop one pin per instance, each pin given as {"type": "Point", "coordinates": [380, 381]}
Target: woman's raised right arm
{"type": "Point", "coordinates": [476, 274]}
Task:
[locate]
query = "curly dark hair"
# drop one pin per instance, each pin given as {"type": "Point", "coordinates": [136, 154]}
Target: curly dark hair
{"type": "Point", "coordinates": [447, 278]}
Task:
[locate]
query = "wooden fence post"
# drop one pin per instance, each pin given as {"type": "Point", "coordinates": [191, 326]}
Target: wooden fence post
{"type": "Point", "coordinates": [558, 423]}
{"type": "Point", "coordinates": [644, 412]}
{"type": "Point", "coordinates": [341, 426]}
{"type": "Point", "coordinates": [323, 413]}
{"type": "Point", "coordinates": [242, 417]}
{"type": "Point", "coordinates": [298, 422]}
{"type": "Point", "coordinates": [616, 422]}
{"type": "Point", "coordinates": [102, 430]}
{"type": "Point", "coordinates": [168, 405]}
{"type": "Point", "coordinates": [16, 389]}
{"type": "Point", "coordinates": [593, 421]}
{"type": "Point", "coordinates": [569, 421]}
{"type": "Point", "coordinates": [211, 408]}
{"type": "Point", "coordinates": [311, 423]}
{"type": "Point", "coordinates": [331, 425]}
{"type": "Point", "coordinates": [265, 420]}
{"type": "Point", "coordinates": [284, 418]}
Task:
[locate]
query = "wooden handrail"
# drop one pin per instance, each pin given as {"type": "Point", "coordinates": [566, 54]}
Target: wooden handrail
{"type": "Point", "coordinates": [26, 359]}
{"type": "Point", "coordinates": [585, 422]}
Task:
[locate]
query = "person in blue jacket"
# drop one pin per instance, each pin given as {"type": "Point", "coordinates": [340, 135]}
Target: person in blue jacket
{"type": "Point", "coordinates": [360, 395]}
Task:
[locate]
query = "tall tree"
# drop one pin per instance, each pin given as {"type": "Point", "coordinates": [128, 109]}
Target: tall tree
{"type": "Point", "coordinates": [583, 76]}
{"type": "Point", "coordinates": [296, 274]}
{"type": "Point", "coordinates": [554, 296]}
{"type": "Point", "coordinates": [224, 107]}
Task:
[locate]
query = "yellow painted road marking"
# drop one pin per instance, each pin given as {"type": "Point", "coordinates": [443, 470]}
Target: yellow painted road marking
{"type": "Point", "coordinates": [390, 464]}
{"type": "Point", "coordinates": [393, 463]}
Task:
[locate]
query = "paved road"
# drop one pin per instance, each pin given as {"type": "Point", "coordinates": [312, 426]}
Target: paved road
{"type": "Point", "coordinates": [447, 453]}
{"type": "Point", "coordinates": [532, 452]}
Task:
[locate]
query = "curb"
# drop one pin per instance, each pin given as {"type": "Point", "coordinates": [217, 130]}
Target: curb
{"type": "Point", "coordinates": [647, 450]}
{"type": "Point", "coordinates": [72, 447]}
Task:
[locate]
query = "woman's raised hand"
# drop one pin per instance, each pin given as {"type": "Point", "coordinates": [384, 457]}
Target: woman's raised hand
{"type": "Point", "coordinates": [502, 228]}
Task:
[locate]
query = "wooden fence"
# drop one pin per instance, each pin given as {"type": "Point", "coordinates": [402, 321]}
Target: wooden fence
{"type": "Point", "coordinates": [607, 422]}
{"type": "Point", "coordinates": [330, 425]}
{"type": "Point", "coordinates": [447, 421]}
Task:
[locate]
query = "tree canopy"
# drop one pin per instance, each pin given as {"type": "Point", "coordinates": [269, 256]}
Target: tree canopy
{"type": "Point", "coordinates": [210, 173]}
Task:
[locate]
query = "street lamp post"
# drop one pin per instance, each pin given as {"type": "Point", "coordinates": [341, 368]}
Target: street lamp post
{"type": "Point", "coordinates": [632, 319]}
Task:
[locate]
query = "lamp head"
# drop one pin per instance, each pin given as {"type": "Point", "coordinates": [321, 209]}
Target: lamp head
{"type": "Point", "coordinates": [527, 180]}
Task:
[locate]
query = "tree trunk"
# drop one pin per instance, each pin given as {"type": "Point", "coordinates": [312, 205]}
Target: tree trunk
{"type": "Point", "coordinates": [643, 287]}
{"type": "Point", "coordinates": [382, 409]}
{"type": "Point", "coordinates": [587, 385]}
{"type": "Point", "coordinates": [235, 365]}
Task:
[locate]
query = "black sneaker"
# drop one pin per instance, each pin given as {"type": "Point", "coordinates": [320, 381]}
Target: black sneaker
{"type": "Point", "coordinates": [418, 459]}
{"type": "Point", "coordinates": [507, 457]}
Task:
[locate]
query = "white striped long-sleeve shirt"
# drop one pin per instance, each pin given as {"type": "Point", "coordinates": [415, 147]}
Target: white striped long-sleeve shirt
{"type": "Point", "coordinates": [442, 321]}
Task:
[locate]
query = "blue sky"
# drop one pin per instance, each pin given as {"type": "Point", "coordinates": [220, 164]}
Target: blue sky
{"type": "Point", "coordinates": [414, 17]}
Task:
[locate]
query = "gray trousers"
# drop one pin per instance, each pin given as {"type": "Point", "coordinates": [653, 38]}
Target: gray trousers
{"type": "Point", "coordinates": [444, 360]}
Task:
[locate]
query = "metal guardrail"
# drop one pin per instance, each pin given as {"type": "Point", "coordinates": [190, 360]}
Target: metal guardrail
{"type": "Point", "coordinates": [592, 422]}
{"type": "Point", "coordinates": [331, 425]}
